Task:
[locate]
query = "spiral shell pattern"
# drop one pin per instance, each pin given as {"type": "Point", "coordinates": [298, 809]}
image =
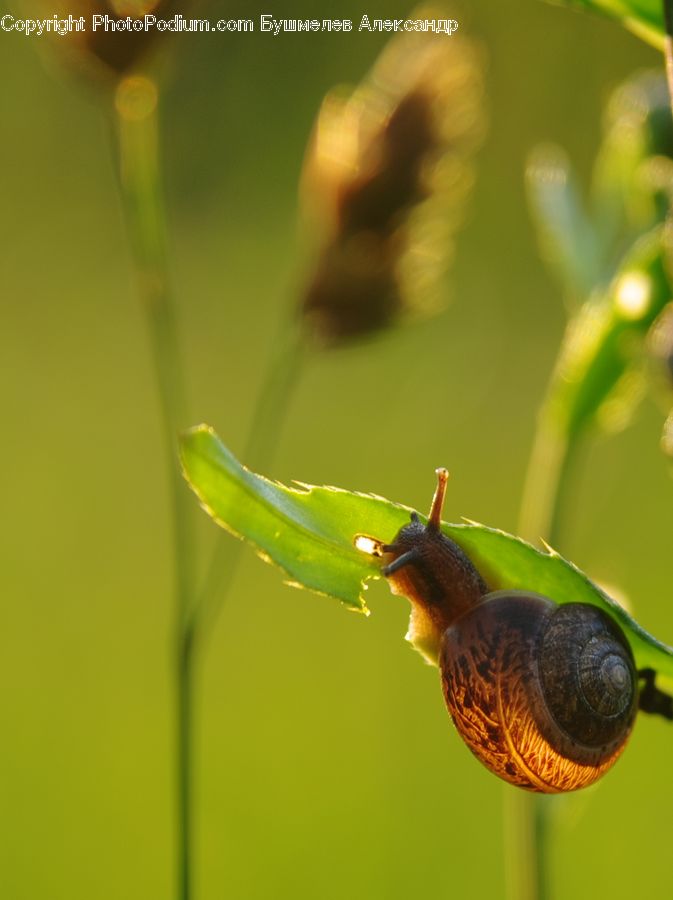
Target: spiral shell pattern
{"type": "Point", "coordinates": [545, 695]}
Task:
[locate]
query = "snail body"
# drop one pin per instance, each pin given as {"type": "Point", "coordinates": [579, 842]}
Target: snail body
{"type": "Point", "coordinates": [545, 695]}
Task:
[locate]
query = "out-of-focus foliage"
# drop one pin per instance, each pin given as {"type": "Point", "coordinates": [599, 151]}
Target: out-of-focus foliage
{"type": "Point", "coordinates": [610, 257]}
{"type": "Point", "coordinates": [630, 187]}
{"type": "Point", "coordinates": [385, 182]}
{"type": "Point", "coordinates": [661, 349]}
{"type": "Point", "coordinates": [643, 17]}
{"type": "Point", "coordinates": [599, 372]}
{"type": "Point", "coordinates": [567, 237]}
{"type": "Point", "coordinates": [584, 241]}
{"type": "Point", "coordinates": [667, 436]}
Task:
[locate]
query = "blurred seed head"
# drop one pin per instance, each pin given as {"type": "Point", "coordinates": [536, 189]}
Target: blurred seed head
{"type": "Point", "coordinates": [385, 181]}
{"type": "Point", "coordinates": [106, 55]}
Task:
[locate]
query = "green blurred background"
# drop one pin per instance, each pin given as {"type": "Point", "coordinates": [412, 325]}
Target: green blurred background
{"type": "Point", "coordinates": [326, 764]}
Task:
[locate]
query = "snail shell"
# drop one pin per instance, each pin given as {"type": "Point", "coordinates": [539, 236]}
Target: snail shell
{"type": "Point", "coordinates": [544, 695]}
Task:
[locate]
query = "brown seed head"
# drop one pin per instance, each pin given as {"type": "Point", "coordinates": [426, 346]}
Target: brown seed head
{"type": "Point", "coordinates": [104, 54]}
{"type": "Point", "coordinates": [386, 177]}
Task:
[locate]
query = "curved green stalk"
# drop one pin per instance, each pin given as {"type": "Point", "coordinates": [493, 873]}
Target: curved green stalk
{"type": "Point", "coordinates": [136, 130]}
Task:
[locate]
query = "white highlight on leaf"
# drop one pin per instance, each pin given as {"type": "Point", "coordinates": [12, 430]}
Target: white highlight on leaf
{"type": "Point", "coordinates": [368, 545]}
{"type": "Point", "coordinates": [633, 295]}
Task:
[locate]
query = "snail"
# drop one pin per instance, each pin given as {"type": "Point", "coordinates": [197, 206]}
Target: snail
{"type": "Point", "coordinates": [544, 694]}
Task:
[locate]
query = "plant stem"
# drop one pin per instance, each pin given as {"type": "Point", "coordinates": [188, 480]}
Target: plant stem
{"type": "Point", "coordinates": [527, 816]}
{"type": "Point", "coordinates": [185, 711]}
{"type": "Point", "coordinates": [136, 129]}
{"type": "Point", "coordinates": [522, 864]}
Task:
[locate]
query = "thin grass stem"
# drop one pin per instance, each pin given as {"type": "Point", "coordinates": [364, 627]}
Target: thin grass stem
{"type": "Point", "coordinates": [136, 129]}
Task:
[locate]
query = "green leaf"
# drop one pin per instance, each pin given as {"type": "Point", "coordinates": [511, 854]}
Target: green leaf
{"type": "Point", "coordinates": [643, 17]}
{"type": "Point", "coordinates": [310, 533]}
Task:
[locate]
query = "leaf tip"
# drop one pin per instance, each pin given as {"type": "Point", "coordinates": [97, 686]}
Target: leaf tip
{"type": "Point", "coordinates": [195, 430]}
{"type": "Point", "coordinates": [186, 440]}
